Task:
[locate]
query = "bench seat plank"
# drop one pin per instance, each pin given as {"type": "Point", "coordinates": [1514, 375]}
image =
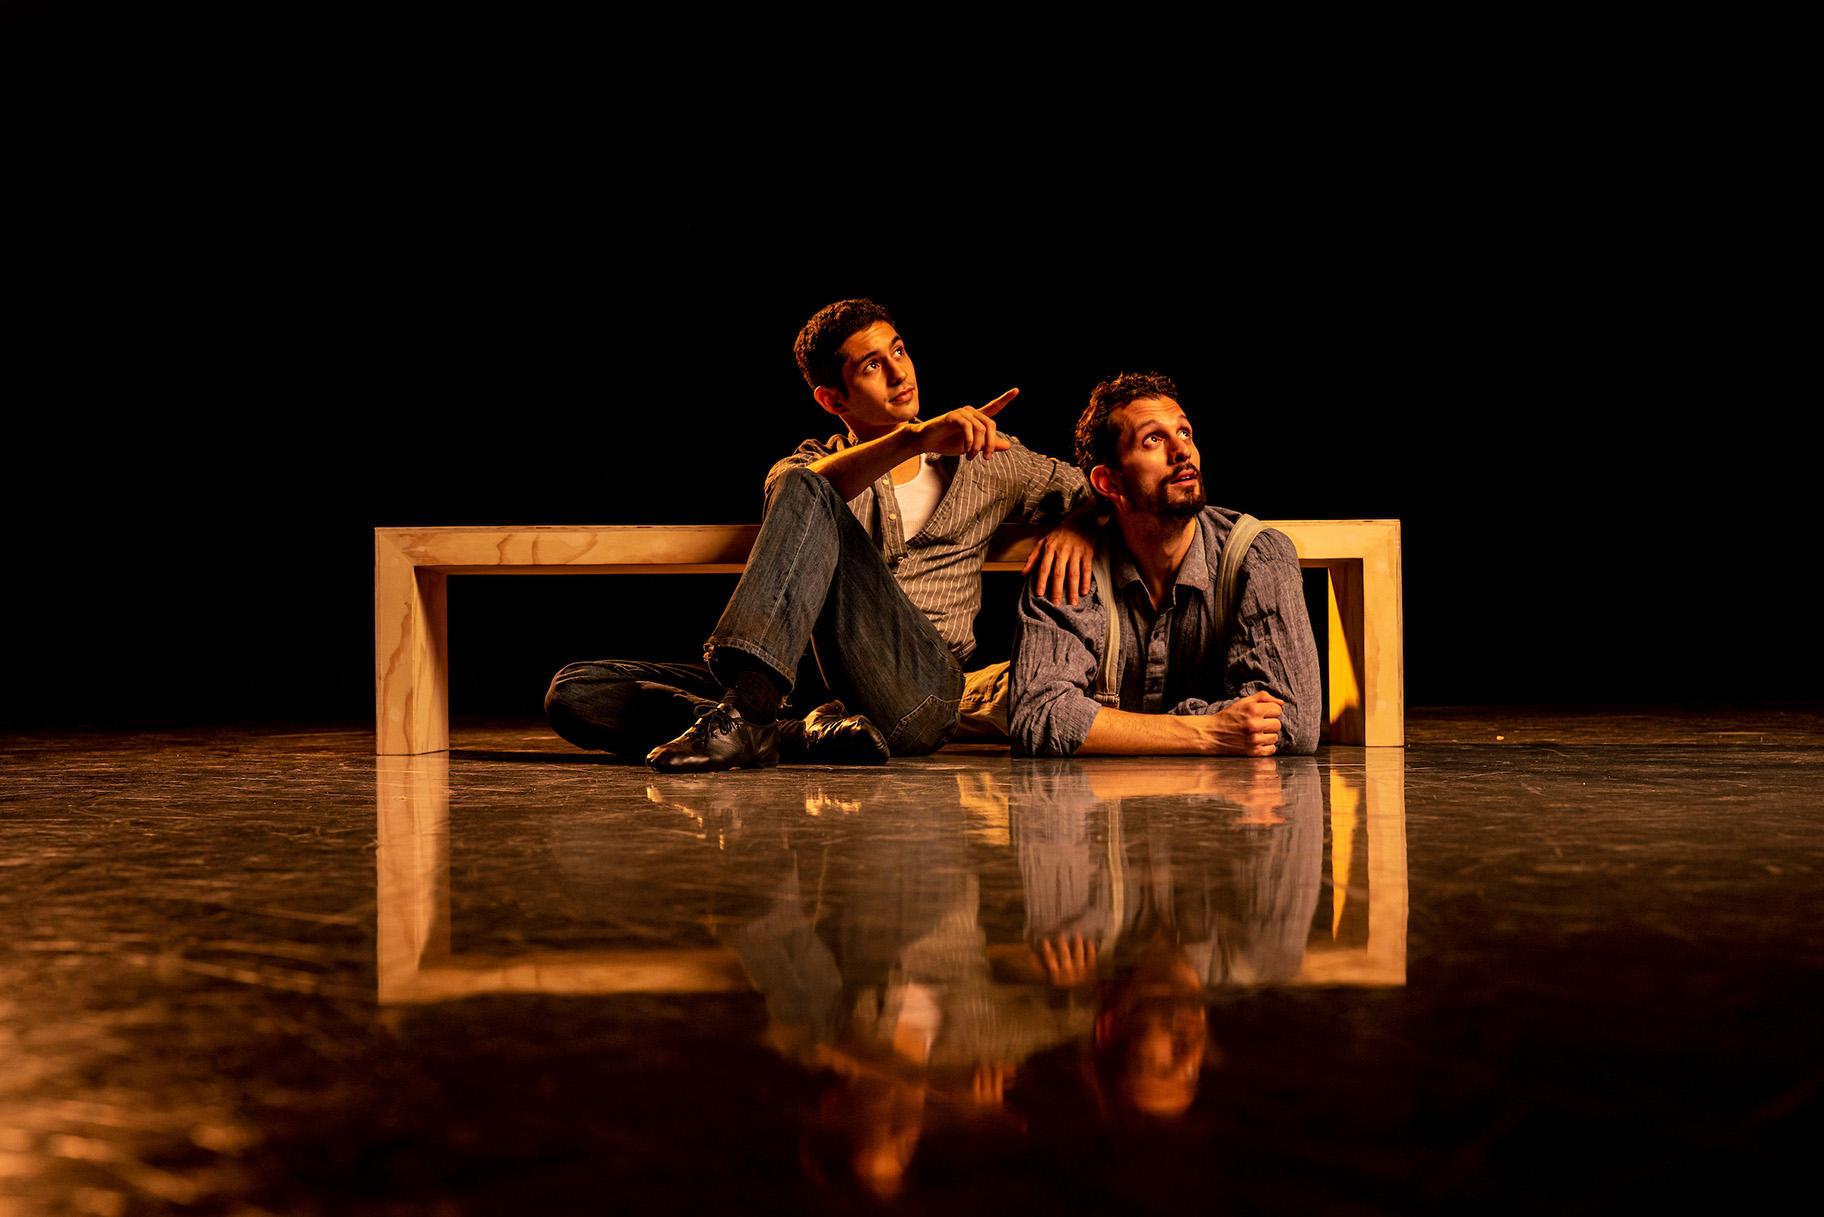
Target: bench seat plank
{"type": "Point", "coordinates": [1366, 698]}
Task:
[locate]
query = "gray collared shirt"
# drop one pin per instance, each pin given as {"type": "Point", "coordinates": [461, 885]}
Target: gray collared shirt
{"type": "Point", "coordinates": [940, 568]}
{"type": "Point", "coordinates": [1173, 659]}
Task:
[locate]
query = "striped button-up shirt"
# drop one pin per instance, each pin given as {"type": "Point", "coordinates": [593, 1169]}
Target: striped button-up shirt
{"type": "Point", "coordinates": [1174, 658]}
{"type": "Point", "coordinates": [940, 568]}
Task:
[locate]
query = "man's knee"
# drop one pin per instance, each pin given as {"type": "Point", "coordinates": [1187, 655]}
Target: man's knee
{"type": "Point", "coordinates": [562, 712]}
{"type": "Point", "coordinates": [554, 695]}
{"type": "Point", "coordinates": [584, 698]}
{"type": "Point", "coordinates": [570, 682]}
{"type": "Point", "coordinates": [800, 481]}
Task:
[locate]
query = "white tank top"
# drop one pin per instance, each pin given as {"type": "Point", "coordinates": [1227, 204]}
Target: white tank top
{"type": "Point", "coordinates": [918, 498]}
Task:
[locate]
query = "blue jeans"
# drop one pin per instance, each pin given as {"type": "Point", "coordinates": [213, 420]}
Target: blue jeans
{"type": "Point", "coordinates": [814, 578]}
{"type": "Point", "coordinates": [627, 706]}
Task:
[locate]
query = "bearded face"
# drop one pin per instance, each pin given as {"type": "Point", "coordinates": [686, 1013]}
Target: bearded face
{"type": "Point", "coordinates": [1175, 495]}
{"type": "Point", "coordinates": [1158, 471]}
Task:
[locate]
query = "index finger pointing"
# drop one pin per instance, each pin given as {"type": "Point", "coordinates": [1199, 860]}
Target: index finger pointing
{"type": "Point", "coordinates": [994, 407]}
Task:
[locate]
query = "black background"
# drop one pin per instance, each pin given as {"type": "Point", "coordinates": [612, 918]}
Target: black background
{"type": "Point", "coordinates": [277, 284]}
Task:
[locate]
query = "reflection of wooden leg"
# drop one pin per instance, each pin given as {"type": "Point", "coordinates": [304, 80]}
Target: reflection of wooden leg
{"type": "Point", "coordinates": [1345, 804]}
{"type": "Point", "coordinates": [1347, 661]}
{"type": "Point", "coordinates": [412, 802]}
{"type": "Point", "coordinates": [411, 655]}
{"type": "Point", "coordinates": [1387, 893]}
{"type": "Point", "coordinates": [1376, 793]}
{"type": "Point", "coordinates": [412, 797]}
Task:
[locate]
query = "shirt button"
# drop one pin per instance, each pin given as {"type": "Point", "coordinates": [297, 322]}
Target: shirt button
{"type": "Point", "coordinates": [892, 516]}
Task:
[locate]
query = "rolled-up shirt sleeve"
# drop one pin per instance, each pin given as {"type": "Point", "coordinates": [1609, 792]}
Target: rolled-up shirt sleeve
{"type": "Point", "coordinates": [1053, 673]}
{"type": "Point", "coordinates": [1270, 645]}
{"type": "Point", "coordinates": [1049, 488]}
{"type": "Point", "coordinates": [808, 452]}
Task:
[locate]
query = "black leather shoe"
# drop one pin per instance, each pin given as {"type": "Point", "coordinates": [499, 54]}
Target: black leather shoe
{"type": "Point", "coordinates": [719, 739]}
{"type": "Point", "coordinates": [830, 735]}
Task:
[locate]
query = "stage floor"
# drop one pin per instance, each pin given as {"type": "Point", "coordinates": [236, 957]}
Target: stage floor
{"type": "Point", "coordinates": [1539, 959]}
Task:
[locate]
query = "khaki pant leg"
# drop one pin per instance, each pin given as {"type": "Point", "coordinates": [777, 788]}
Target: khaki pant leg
{"type": "Point", "coordinates": [982, 717]}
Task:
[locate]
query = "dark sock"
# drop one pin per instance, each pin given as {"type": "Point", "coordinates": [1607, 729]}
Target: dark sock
{"type": "Point", "coordinates": [756, 694]}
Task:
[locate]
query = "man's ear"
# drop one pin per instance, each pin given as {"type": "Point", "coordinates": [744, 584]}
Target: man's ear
{"type": "Point", "coordinates": [1105, 483]}
{"type": "Point", "coordinates": [829, 399]}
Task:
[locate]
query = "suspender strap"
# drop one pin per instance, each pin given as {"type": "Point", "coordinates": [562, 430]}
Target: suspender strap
{"type": "Point", "coordinates": [1228, 574]}
{"type": "Point", "coordinates": [1228, 570]}
{"type": "Point", "coordinates": [1108, 676]}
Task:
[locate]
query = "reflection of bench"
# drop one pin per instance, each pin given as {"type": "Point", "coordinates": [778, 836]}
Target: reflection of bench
{"type": "Point", "coordinates": [1367, 703]}
{"type": "Point", "coordinates": [1361, 942]}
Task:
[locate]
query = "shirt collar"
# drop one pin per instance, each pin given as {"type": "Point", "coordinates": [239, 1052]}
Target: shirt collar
{"type": "Point", "coordinates": [1193, 572]}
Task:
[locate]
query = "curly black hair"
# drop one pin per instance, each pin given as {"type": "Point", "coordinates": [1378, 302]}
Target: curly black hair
{"type": "Point", "coordinates": [1097, 434]}
{"type": "Point", "coordinates": [819, 344]}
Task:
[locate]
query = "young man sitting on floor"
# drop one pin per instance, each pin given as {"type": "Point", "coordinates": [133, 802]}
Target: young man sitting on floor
{"type": "Point", "coordinates": [870, 552]}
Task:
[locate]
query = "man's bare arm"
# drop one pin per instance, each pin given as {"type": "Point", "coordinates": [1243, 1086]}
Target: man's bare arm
{"type": "Point", "coordinates": [1247, 727]}
{"type": "Point", "coordinates": [965, 431]}
{"type": "Point", "coordinates": [859, 466]}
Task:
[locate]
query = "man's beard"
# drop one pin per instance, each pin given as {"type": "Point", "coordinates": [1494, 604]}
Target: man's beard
{"type": "Point", "coordinates": [1163, 505]}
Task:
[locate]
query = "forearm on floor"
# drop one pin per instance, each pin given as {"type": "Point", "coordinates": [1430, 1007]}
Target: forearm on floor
{"type": "Point", "coordinates": [1125, 733]}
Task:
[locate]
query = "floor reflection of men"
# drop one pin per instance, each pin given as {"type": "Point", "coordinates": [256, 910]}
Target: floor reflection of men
{"type": "Point", "coordinates": [1152, 1034]}
{"type": "Point", "coordinates": [861, 931]}
{"type": "Point", "coordinates": [1156, 885]}
{"type": "Point", "coordinates": [856, 916]}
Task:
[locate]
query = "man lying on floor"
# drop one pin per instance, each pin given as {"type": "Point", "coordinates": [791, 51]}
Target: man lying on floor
{"type": "Point", "coordinates": [1194, 638]}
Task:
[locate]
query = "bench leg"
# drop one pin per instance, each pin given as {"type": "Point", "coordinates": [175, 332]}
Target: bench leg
{"type": "Point", "coordinates": [1348, 666]}
{"type": "Point", "coordinates": [1367, 696]}
{"type": "Point", "coordinates": [1383, 635]}
{"type": "Point", "coordinates": [411, 655]}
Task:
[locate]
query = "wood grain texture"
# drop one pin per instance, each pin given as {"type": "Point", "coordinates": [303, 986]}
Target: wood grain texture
{"type": "Point", "coordinates": [1383, 642]}
{"type": "Point", "coordinates": [411, 653]}
{"type": "Point", "coordinates": [576, 549]}
{"type": "Point", "coordinates": [411, 649]}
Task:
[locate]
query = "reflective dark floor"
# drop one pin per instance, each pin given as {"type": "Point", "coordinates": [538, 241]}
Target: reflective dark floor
{"type": "Point", "coordinates": [1507, 968]}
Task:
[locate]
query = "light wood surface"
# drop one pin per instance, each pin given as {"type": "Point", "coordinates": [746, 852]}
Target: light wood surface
{"type": "Point", "coordinates": [411, 652]}
{"type": "Point", "coordinates": [1366, 700]}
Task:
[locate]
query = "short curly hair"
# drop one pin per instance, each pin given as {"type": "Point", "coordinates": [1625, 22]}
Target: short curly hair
{"type": "Point", "coordinates": [1097, 434]}
{"type": "Point", "coordinates": [819, 344]}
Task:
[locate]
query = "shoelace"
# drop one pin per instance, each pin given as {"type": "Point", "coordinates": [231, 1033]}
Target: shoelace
{"type": "Point", "coordinates": [711, 719]}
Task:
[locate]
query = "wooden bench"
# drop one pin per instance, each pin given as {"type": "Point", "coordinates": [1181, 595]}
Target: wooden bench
{"type": "Point", "coordinates": [1366, 695]}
